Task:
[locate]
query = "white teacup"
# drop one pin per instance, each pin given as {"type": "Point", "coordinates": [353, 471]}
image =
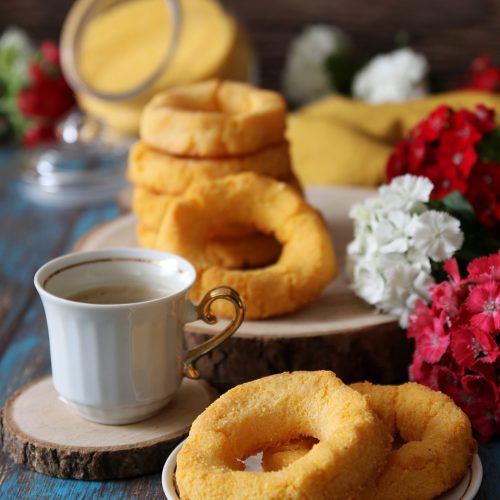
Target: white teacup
{"type": "Point", "coordinates": [118, 363]}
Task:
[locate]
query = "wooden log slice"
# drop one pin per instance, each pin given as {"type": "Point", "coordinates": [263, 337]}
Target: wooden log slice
{"type": "Point", "coordinates": [42, 433]}
{"type": "Point", "coordinates": [338, 331]}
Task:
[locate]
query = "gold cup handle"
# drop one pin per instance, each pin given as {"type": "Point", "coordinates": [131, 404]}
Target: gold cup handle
{"type": "Point", "coordinates": [204, 312]}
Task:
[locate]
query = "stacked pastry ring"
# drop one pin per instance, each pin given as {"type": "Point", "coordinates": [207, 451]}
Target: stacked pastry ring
{"type": "Point", "coordinates": [306, 263]}
{"type": "Point", "coordinates": [200, 133]}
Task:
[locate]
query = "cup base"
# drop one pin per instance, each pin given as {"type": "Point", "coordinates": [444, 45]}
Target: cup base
{"type": "Point", "coordinates": [117, 415]}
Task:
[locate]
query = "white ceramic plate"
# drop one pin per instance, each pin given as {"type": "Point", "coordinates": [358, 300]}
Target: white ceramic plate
{"type": "Point", "coordinates": [465, 490]}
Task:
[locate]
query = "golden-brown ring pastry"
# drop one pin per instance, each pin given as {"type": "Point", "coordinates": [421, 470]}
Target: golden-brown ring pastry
{"type": "Point", "coordinates": [170, 174]}
{"type": "Point", "coordinates": [251, 251]}
{"type": "Point", "coordinates": [352, 448]}
{"type": "Point", "coordinates": [307, 260]}
{"type": "Point", "coordinates": [214, 119]}
{"type": "Point", "coordinates": [437, 449]}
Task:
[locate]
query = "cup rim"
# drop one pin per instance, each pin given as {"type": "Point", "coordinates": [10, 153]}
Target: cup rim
{"type": "Point", "coordinates": [73, 259]}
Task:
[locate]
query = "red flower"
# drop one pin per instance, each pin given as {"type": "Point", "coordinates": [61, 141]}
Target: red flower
{"type": "Point", "coordinates": [483, 192]}
{"type": "Point", "coordinates": [485, 118]}
{"type": "Point", "coordinates": [416, 153]}
{"type": "Point", "coordinates": [37, 134]}
{"type": "Point", "coordinates": [463, 124]}
{"type": "Point", "coordinates": [47, 98]}
{"type": "Point", "coordinates": [50, 52]}
{"type": "Point", "coordinates": [396, 164]}
{"type": "Point", "coordinates": [454, 150]}
{"type": "Point", "coordinates": [445, 179]}
{"type": "Point", "coordinates": [483, 75]}
{"type": "Point", "coordinates": [435, 124]}
{"type": "Point", "coordinates": [484, 304]}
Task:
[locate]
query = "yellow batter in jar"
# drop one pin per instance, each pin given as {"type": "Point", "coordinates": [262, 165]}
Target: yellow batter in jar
{"type": "Point", "coordinates": [123, 45]}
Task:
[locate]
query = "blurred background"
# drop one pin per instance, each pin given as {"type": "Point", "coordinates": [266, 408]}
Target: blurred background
{"type": "Point", "coordinates": [449, 32]}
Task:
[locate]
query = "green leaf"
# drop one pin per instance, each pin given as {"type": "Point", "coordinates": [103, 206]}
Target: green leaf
{"type": "Point", "coordinates": [488, 149]}
{"type": "Point", "coordinates": [341, 69]}
{"type": "Point", "coordinates": [478, 239]}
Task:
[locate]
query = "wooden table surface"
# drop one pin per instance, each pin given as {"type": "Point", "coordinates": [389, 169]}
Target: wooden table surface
{"type": "Point", "coordinates": [30, 235]}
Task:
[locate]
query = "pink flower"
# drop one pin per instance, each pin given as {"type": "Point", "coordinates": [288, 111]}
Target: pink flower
{"type": "Point", "coordinates": [420, 370]}
{"type": "Point", "coordinates": [468, 346]}
{"type": "Point", "coordinates": [445, 299]}
{"type": "Point", "coordinates": [420, 320]}
{"type": "Point", "coordinates": [485, 268]}
{"type": "Point", "coordinates": [457, 341]}
{"type": "Point", "coordinates": [484, 304]}
{"type": "Point", "coordinates": [432, 343]}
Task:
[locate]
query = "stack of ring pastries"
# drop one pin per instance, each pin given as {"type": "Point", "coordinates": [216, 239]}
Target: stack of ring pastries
{"type": "Point", "coordinates": [200, 133]}
{"type": "Point", "coordinates": [213, 182]}
{"type": "Point", "coordinates": [343, 442]}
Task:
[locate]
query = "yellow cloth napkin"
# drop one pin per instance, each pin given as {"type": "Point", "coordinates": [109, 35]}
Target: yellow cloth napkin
{"type": "Point", "coordinates": [341, 141]}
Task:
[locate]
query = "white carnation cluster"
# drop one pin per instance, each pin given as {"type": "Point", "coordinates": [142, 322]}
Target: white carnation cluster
{"type": "Point", "coordinates": [395, 77]}
{"type": "Point", "coordinates": [395, 238]}
{"type": "Point", "coordinates": [305, 76]}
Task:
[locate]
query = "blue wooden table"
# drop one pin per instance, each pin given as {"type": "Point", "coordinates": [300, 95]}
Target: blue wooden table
{"type": "Point", "coordinates": [30, 235]}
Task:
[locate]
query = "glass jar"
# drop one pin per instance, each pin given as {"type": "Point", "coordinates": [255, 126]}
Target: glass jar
{"type": "Point", "coordinates": [116, 54]}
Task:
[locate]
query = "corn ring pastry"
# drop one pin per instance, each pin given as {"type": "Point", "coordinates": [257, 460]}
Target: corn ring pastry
{"type": "Point", "coordinates": [169, 174]}
{"type": "Point", "coordinates": [150, 208]}
{"type": "Point", "coordinates": [256, 250]}
{"type": "Point", "coordinates": [307, 260]}
{"type": "Point", "coordinates": [352, 448]}
{"type": "Point", "coordinates": [438, 443]}
{"type": "Point", "coordinates": [214, 118]}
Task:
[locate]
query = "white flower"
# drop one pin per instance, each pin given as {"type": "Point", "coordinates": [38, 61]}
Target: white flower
{"type": "Point", "coordinates": [437, 234]}
{"type": "Point", "coordinates": [16, 41]}
{"type": "Point", "coordinates": [370, 284]}
{"type": "Point", "coordinates": [394, 77]}
{"type": "Point", "coordinates": [305, 76]}
{"type": "Point", "coordinates": [395, 238]}
{"type": "Point", "coordinates": [406, 192]}
{"type": "Point", "coordinates": [392, 233]}
{"type": "Point", "coordinates": [405, 284]}
{"type": "Point", "coordinates": [14, 38]}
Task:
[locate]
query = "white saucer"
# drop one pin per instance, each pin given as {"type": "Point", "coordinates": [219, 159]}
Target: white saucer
{"type": "Point", "coordinates": [465, 490]}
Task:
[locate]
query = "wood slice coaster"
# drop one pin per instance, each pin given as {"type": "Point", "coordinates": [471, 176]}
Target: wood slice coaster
{"type": "Point", "coordinates": [42, 433]}
{"type": "Point", "coordinates": [338, 331]}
